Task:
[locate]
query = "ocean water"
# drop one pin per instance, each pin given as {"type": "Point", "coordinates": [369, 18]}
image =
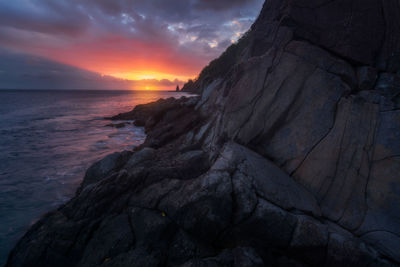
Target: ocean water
{"type": "Point", "coordinates": [47, 141]}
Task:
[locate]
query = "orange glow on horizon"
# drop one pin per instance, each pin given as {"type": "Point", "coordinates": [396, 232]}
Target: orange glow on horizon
{"type": "Point", "coordinates": [135, 70]}
{"type": "Point", "coordinates": [133, 60]}
{"type": "Point", "coordinates": [148, 75]}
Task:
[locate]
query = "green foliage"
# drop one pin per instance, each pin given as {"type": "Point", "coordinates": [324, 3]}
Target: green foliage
{"type": "Point", "coordinates": [222, 65]}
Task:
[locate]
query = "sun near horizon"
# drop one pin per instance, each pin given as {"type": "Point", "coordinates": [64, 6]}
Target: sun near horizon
{"type": "Point", "coordinates": [118, 45]}
{"type": "Point", "coordinates": [150, 80]}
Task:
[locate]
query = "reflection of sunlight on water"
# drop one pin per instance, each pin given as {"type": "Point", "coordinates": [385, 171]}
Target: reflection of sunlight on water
{"type": "Point", "coordinates": [147, 96]}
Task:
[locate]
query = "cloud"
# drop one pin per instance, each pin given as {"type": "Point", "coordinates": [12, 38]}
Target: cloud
{"type": "Point", "coordinates": [21, 71]}
{"type": "Point", "coordinates": [122, 37]}
{"type": "Point", "coordinates": [222, 4]}
{"type": "Point", "coordinates": [39, 19]}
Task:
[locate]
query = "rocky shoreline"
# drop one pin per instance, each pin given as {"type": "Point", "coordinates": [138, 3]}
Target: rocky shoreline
{"type": "Point", "coordinates": [172, 203]}
{"type": "Point", "coordinates": [289, 157]}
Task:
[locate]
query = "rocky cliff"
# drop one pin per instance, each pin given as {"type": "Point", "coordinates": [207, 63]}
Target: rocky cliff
{"type": "Point", "coordinates": [290, 156]}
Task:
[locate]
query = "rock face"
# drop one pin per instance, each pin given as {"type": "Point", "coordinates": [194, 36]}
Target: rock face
{"type": "Point", "coordinates": [289, 157]}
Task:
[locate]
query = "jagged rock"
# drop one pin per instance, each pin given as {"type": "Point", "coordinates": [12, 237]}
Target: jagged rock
{"type": "Point", "coordinates": [115, 235]}
{"type": "Point", "coordinates": [105, 167]}
{"type": "Point", "coordinates": [118, 125]}
{"type": "Point", "coordinates": [140, 156]}
{"type": "Point", "coordinates": [388, 84]}
{"type": "Point", "coordinates": [150, 114]}
{"type": "Point", "coordinates": [310, 239]}
{"type": "Point", "coordinates": [366, 78]}
{"type": "Point", "coordinates": [160, 119]}
{"type": "Point", "coordinates": [289, 157]}
{"type": "Point", "coordinates": [243, 257]}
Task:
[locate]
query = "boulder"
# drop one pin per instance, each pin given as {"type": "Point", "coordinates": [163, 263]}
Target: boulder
{"type": "Point", "coordinates": [104, 168]}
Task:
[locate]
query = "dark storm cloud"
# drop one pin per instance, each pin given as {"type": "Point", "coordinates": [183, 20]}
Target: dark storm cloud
{"type": "Point", "coordinates": [21, 71]}
{"type": "Point", "coordinates": [221, 4]}
{"type": "Point", "coordinates": [41, 20]}
{"type": "Point", "coordinates": [135, 18]}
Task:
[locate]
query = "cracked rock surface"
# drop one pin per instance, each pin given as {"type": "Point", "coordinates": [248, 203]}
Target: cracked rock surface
{"type": "Point", "coordinates": [289, 157]}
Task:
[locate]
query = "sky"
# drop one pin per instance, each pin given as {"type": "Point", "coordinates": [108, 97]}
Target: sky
{"type": "Point", "coordinates": [115, 44]}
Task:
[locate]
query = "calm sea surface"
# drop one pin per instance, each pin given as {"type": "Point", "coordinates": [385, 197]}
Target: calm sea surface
{"type": "Point", "coordinates": [47, 141]}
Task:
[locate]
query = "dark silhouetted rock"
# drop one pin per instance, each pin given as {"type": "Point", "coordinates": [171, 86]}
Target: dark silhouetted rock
{"type": "Point", "coordinates": [366, 78]}
{"type": "Point", "coordinates": [104, 168]}
{"type": "Point", "coordinates": [118, 125]}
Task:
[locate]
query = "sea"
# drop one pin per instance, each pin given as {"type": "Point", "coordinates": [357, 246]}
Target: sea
{"type": "Point", "coordinates": [48, 138]}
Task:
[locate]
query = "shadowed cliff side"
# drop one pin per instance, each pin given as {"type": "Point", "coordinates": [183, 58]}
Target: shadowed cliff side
{"type": "Point", "coordinates": [290, 156]}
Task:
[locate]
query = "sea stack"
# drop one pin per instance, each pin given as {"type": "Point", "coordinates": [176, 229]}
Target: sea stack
{"type": "Point", "coordinates": [289, 156]}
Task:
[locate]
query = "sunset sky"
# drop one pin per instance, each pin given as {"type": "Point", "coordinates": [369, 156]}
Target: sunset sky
{"type": "Point", "coordinates": [155, 44]}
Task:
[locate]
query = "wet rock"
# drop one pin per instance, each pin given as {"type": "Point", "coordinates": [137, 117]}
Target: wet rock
{"type": "Point", "coordinates": [118, 125]}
